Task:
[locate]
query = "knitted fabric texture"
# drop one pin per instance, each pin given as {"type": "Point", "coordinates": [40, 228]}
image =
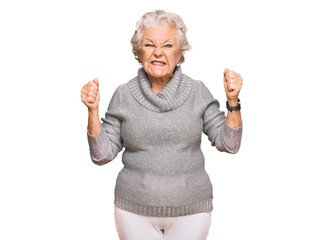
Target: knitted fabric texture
{"type": "Point", "coordinates": [163, 173]}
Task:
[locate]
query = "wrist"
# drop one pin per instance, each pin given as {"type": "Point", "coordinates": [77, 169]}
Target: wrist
{"type": "Point", "coordinates": [93, 111]}
{"type": "Point", "coordinates": [233, 105]}
{"type": "Point", "coordinates": [233, 102]}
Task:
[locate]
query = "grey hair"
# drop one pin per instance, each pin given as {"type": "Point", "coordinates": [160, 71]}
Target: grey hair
{"type": "Point", "coordinates": [160, 17]}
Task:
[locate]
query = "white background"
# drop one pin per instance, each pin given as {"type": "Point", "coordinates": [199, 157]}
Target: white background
{"type": "Point", "coordinates": [49, 49]}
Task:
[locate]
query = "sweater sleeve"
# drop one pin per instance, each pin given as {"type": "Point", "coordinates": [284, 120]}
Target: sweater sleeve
{"type": "Point", "coordinates": [106, 145]}
{"type": "Point", "coordinates": [225, 138]}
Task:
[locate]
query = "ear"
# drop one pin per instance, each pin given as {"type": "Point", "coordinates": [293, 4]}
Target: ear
{"type": "Point", "coordinates": [179, 56]}
{"type": "Point", "coordinates": [138, 53]}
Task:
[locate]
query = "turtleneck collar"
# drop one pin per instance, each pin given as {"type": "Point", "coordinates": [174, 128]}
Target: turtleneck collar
{"type": "Point", "coordinates": [172, 96]}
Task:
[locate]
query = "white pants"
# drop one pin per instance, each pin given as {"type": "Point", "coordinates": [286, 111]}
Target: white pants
{"type": "Point", "coordinates": [131, 226]}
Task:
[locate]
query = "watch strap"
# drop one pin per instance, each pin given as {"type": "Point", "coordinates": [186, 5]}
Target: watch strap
{"type": "Point", "coordinates": [235, 108]}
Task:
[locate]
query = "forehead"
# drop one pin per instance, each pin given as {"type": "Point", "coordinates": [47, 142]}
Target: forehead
{"type": "Point", "coordinates": [159, 33]}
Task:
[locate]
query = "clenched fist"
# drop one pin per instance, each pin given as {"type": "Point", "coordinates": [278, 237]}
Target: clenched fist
{"type": "Point", "coordinates": [91, 95]}
{"type": "Point", "coordinates": [232, 83]}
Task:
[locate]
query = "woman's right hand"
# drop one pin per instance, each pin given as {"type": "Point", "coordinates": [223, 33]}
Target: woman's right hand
{"type": "Point", "coordinates": [91, 95]}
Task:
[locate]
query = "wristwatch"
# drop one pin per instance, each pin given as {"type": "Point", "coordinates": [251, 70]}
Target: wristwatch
{"type": "Point", "coordinates": [236, 108]}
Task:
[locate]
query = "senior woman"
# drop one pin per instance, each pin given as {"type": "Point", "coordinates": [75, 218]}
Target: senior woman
{"type": "Point", "coordinates": [163, 190]}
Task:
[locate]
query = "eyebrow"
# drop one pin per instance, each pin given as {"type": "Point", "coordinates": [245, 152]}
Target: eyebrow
{"type": "Point", "coordinates": [148, 39]}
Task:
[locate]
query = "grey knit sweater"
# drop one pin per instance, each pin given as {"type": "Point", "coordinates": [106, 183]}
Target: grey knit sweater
{"type": "Point", "coordinates": [163, 173]}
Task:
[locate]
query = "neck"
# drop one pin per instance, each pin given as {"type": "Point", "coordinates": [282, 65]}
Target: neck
{"type": "Point", "coordinates": [157, 84]}
{"type": "Point", "coordinates": [174, 93]}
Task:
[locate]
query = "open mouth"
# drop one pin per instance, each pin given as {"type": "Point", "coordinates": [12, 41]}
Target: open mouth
{"type": "Point", "coordinates": [158, 63]}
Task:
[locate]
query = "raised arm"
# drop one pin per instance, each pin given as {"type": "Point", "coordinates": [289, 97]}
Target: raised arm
{"type": "Point", "coordinates": [224, 133]}
{"type": "Point", "coordinates": [90, 97]}
{"type": "Point", "coordinates": [104, 140]}
{"type": "Point", "coordinates": [233, 83]}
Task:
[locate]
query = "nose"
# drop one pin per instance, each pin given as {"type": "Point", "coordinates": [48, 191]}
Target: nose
{"type": "Point", "coordinates": [158, 51]}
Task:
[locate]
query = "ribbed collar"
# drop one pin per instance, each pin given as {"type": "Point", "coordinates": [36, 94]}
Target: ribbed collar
{"type": "Point", "coordinates": [172, 96]}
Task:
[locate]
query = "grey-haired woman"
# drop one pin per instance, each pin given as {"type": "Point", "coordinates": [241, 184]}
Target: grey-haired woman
{"type": "Point", "coordinates": [163, 190]}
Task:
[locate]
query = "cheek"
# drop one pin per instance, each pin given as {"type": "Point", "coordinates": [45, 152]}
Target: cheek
{"type": "Point", "coordinates": [175, 59]}
{"type": "Point", "coordinates": [143, 56]}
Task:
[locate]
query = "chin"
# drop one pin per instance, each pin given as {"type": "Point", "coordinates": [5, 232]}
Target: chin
{"type": "Point", "coordinates": [159, 74]}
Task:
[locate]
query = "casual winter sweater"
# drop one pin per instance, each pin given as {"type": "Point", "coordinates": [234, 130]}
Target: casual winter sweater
{"type": "Point", "coordinates": [163, 173]}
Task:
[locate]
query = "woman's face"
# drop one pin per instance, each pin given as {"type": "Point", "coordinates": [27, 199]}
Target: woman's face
{"type": "Point", "coordinates": [159, 52]}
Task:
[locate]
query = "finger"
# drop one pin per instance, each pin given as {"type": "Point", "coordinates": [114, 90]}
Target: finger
{"type": "Point", "coordinates": [92, 84]}
{"type": "Point", "coordinates": [84, 95]}
{"type": "Point", "coordinates": [232, 86]}
{"type": "Point", "coordinates": [226, 78]}
{"type": "Point", "coordinates": [231, 79]}
{"type": "Point", "coordinates": [92, 88]}
{"type": "Point", "coordinates": [97, 98]}
{"type": "Point", "coordinates": [226, 71]}
{"type": "Point", "coordinates": [83, 99]}
{"type": "Point", "coordinates": [83, 91]}
{"type": "Point", "coordinates": [90, 99]}
{"type": "Point", "coordinates": [96, 82]}
{"type": "Point", "coordinates": [238, 81]}
{"type": "Point", "coordinates": [91, 94]}
{"type": "Point", "coordinates": [232, 74]}
{"type": "Point", "coordinates": [93, 97]}
{"type": "Point", "coordinates": [227, 87]}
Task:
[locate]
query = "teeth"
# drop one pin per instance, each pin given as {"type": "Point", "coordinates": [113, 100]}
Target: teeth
{"type": "Point", "coordinates": [156, 62]}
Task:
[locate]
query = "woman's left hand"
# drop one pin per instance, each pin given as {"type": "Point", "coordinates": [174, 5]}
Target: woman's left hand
{"type": "Point", "coordinates": [233, 83]}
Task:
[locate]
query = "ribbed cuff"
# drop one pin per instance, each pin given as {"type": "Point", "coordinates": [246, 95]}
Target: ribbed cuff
{"type": "Point", "coordinates": [234, 129]}
{"type": "Point", "coordinates": [232, 137]}
{"type": "Point", "coordinates": [172, 211]}
{"type": "Point", "coordinates": [97, 143]}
